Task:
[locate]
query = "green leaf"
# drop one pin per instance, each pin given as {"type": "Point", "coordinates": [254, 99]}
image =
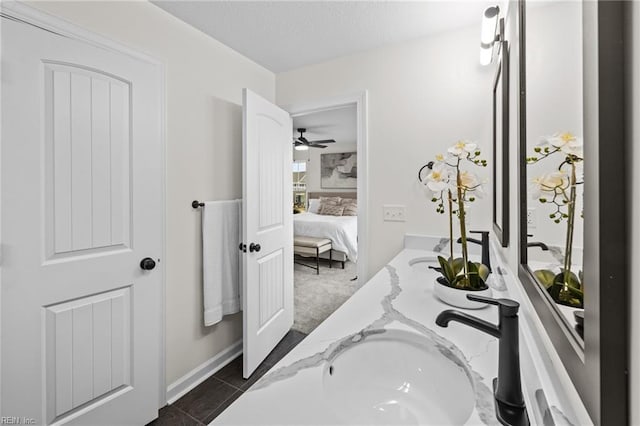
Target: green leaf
{"type": "Point", "coordinates": [447, 271]}
{"type": "Point", "coordinates": [483, 271]}
{"type": "Point", "coordinates": [545, 277]}
{"type": "Point", "coordinates": [475, 281]}
{"type": "Point", "coordinates": [571, 294]}
{"type": "Point", "coordinates": [554, 291]}
{"type": "Point", "coordinates": [461, 282]}
{"type": "Point", "coordinates": [572, 280]}
{"type": "Point", "coordinates": [472, 268]}
{"type": "Point", "coordinates": [457, 265]}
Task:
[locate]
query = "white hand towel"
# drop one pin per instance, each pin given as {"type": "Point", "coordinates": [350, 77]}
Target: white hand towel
{"type": "Point", "coordinates": [221, 234]}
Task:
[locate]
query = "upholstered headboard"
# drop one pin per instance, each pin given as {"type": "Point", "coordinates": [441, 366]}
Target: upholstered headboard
{"type": "Point", "coordinates": [314, 195]}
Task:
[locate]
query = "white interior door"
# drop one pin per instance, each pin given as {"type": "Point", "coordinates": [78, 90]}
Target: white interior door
{"type": "Point", "coordinates": [81, 198]}
{"type": "Point", "coordinates": [267, 228]}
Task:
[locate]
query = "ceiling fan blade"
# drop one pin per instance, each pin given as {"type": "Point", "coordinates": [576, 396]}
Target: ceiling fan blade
{"type": "Point", "coordinates": [316, 146]}
{"type": "Point", "coordinates": [303, 140]}
{"type": "Point", "coordinates": [323, 141]}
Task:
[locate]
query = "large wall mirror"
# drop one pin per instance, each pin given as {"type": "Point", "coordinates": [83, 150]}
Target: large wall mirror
{"type": "Point", "coordinates": [573, 244]}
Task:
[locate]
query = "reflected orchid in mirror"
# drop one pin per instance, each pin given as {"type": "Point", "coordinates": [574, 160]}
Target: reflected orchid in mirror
{"type": "Point", "coordinates": [456, 188]}
{"type": "Point", "coordinates": [558, 188]}
{"type": "Point", "coordinates": [565, 142]}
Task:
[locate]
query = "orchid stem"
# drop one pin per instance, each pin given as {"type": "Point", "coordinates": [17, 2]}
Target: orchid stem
{"type": "Point", "coordinates": [461, 217]}
{"type": "Point", "coordinates": [450, 225]}
{"type": "Point", "coordinates": [570, 224]}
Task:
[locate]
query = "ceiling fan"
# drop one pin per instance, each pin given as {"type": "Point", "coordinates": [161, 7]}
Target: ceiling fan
{"type": "Point", "coordinates": [303, 143]}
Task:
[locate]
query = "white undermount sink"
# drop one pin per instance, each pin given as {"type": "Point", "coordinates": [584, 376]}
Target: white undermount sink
{"type": "Point", "coordinates": [397, 377]}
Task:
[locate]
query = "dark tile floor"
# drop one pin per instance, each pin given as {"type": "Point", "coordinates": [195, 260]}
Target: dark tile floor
{"type": "Point", "coordinates": [210, 398]}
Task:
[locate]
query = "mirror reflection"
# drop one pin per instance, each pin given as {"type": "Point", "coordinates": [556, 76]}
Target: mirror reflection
{"type": "Point", "coordinates": [554, 154]}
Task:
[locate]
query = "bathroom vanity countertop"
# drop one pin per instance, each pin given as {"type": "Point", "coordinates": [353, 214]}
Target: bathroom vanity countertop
{"type": "Point", "coordinates": [400, 296]}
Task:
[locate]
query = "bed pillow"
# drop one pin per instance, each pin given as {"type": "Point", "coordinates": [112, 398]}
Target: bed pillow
{"type": "Point", "coordinates": [314, 206]}
{"type": "Point", "coordinates": [330, 210]}
{"type": "Point", "coordinates": [350, 209]}
{"type": "Point", "coordinates": [330, 201]}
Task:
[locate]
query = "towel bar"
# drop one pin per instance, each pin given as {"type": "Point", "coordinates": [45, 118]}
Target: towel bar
{"type": "Point", "coordinates": [195, 204]}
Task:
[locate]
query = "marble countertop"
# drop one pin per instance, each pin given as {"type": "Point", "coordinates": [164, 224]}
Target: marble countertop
{"type": "Point", "coordinates": [400, 296]}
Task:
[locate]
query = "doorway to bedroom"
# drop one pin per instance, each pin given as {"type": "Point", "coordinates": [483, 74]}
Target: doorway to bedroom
{"type": "Point", "coordinates": [326, 210]}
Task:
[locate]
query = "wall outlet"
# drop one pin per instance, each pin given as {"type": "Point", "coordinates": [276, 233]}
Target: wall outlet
{"type": "Point", "coordinates": [532, 218]}
{"type": "Point", "coordinates": [393, 213]}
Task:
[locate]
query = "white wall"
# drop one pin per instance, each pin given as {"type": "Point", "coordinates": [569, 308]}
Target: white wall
{"type": "Point", "coordinates": [312, 157]}
{"type": "Point", "coordinates": [423, 96]}
{"type": "Point", "coordinates": [633, 91]}
{"type": "Point", "coordinates": [204, 81]}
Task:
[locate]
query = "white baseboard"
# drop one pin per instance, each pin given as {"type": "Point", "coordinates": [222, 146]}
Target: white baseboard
{"type": "Point", "coordinates": [202, 372]}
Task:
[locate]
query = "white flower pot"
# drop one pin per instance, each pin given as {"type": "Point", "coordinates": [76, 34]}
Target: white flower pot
{"type": "Point", "coordinates": [458, 297]}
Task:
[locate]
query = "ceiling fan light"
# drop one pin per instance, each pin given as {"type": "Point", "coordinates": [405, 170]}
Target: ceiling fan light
{"type": "Point", "coordinates": [301, 147]}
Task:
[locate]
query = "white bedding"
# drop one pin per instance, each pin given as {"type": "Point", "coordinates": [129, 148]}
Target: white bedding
{"type": "Point", "coordinates": [341, 230]}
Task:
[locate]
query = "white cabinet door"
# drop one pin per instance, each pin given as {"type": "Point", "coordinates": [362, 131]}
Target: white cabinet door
{"type": "Point", "coordinates": [267, 228]}
{"type": "Point", "coordinates": [81, 196]}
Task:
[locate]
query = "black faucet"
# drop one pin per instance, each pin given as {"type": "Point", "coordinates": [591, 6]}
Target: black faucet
{"type": "Point", "coordinates": [540, 244]}
{"type": "Point", "coordinates": [484, 242]}
{"type": "Point", "coordinates": [507, 389]}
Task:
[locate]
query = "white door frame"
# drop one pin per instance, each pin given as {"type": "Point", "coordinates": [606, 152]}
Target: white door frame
{"type": "Point", "coordinates": [33, 16]}
{"type": "Point", "coordinates": [360, 100]}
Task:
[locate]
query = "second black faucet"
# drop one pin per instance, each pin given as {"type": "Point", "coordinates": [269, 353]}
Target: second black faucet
{"type": "Point", "coordinates": [484, 242]}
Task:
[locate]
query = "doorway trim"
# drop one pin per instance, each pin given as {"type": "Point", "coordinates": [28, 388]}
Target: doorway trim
{"type": "Point", "coordinates": [30, 15]}
{"type": "Point", "coordinates": [360, 99]}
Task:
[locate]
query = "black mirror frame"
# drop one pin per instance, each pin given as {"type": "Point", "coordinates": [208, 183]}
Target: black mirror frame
{"type": "Point", "coordinates": [599, 365]}
{"type": "Point", "coordinates": [502, 77]}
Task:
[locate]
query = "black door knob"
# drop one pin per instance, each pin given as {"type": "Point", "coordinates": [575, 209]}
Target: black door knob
{"type": "Point", "coordinates": [147, 263]}
{"type": "Point", "coordinates": [254, 247]}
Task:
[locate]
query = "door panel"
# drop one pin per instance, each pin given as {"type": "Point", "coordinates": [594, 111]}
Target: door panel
{"type": "Point", "coordinates": [271, 270]}
{"type": "Point", "coordinates": [87, 122]}
{"type": "Point", "coordinates": [81, 197]}
{"type": "Point", "coordinates": [267, 221]}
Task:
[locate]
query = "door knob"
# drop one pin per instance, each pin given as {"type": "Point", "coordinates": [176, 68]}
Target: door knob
{"type": "Point", "coordinates": [147, 264]}
{"type": "Point", "coordinates": [254, 247]}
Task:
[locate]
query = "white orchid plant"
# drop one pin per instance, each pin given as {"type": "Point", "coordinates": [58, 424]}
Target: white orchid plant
{"type": "Point", "coordinates": [558, 189]}
{"type": "Point", "coordinates": [455, 188]}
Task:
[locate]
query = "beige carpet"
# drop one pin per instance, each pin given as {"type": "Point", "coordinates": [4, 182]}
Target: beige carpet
{"type": "Point", "coordinates": [318, 296]}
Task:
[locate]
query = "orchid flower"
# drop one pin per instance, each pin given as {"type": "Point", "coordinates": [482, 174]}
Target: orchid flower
{"type": "Point", "coordinates": [549, 184]}
{"type": "Point", "coordinates": [439, 178]}
{"type": "Point", "coordinates": [462, 149]}
{"type": "Point", "coordinates": [567, 143]}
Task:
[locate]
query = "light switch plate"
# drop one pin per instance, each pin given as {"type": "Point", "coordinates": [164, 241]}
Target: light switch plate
{"type": "Point", "coordinates": [532, 219]}
{"type": "Point", "coordinates": [393, 213]}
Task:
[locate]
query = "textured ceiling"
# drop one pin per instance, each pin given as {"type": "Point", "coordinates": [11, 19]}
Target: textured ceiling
{"type": "Point", "coordinates": [339, 124]}
{"type": "Point", "coordinates": [284, 35]}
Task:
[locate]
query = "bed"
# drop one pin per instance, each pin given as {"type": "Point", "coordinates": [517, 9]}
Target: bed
{"type": "Point", "coordinates": [341, 230]}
